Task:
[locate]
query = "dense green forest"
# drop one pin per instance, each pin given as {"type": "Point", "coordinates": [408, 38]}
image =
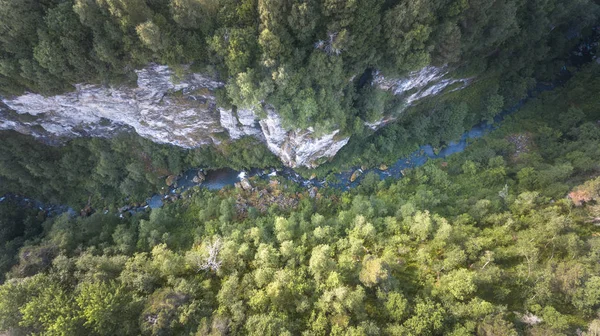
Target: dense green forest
{"type": "Point", "coordinates": [445, 118]}
{"type": "Point", "coordinates": [103, 41]}
{"type": "Point", "coordinates": [502, 239]}
{"type": "Point", "coordinates": [305, 57]}
{"type": "Point", "coordinates": [110, 172]}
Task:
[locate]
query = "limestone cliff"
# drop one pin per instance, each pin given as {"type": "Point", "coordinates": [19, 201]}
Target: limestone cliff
{"type": "Point", "coordinates": [184, 112]}
{"type": "Point", "coordinates": [416, 85]}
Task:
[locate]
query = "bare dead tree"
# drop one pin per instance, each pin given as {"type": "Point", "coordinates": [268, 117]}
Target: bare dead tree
{"type": "Point", "coordinates": [530, 319]}
{"type": "Point", "coordinates": [330, 49]}
{"type": "Point", "coordinates": [329, 45]}
{"type": "Point", "coordinates": [489, 255]}
{"type": "Point", "coordinates": [504, 192]}
{"type": "Point", "coordinates": [212, 263]}
{"type": "Point", "coordinates": [152, 319]}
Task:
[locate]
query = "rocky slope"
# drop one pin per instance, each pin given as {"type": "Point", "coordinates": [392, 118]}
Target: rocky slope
{"type": "Point", "coordinates": [429, 81]}
{"type": "Point", "coordinates": [184, 113]}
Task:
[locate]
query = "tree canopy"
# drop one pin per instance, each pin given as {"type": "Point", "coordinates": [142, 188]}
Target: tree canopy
{"type": "Point", "coordinates": [304, 57]}
{"type": "Point", "coordinates": [501, 239]}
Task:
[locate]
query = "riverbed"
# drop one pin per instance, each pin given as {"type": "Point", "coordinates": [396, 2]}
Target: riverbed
{"type": "Point", "coordinates": [221, 178]}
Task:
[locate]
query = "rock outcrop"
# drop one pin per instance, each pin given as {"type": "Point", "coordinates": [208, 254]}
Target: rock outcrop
{"type": "Point", "coordinates": [419, 84]}
{"type": "Point", "coordinates": [299, 147]}
{"type": "Point", "coordinates": [240, 123]}
{"type": "Point", "coordinates": [429, 81]}
{"type": "Point", "coordinates": [181, 112]}
{"type": "Point", "coordinates": [184, 112]}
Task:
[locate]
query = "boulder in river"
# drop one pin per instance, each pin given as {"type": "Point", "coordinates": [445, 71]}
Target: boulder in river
{"type": "Point", "coordinates": [199, 178]}
{"type": "Point", "coordinates": [170, 180]}
{"type": "Point", "coordinates": [355, 175]}
{"type": "Point", "coordinates": [312, 193]}
{"type": "Point", "coordinates": [85, 212]}
{"type": "Point", "coordinates": [245, 184]}
{"type": "Point", "coordinates": [383, 167]}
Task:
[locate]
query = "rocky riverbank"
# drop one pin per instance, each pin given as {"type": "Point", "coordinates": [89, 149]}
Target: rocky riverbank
{"type": "Point", "coordinates": [184, 112]}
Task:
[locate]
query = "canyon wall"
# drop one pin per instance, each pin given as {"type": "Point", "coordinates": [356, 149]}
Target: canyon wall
{"type": "Point", "coordinates": [184, 113]}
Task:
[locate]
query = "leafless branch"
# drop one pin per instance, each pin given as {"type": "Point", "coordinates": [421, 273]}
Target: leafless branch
{"type": "Point", "coordinates": [213, 251]}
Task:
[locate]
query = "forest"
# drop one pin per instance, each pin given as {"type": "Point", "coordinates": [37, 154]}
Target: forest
{"type": "Point", "coordinates": [501, 239]}
{"type": "Point", "coordinates": [304, 57]}
{"type": "Point", "coordinates": [110, 172]}
{"type": "Point", "coordinates": [267, 53]}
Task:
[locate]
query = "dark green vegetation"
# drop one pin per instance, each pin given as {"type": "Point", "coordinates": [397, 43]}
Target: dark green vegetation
{"type": "Point", "coordinates": [127, 168]}
{"type": "Point", "coordinates": [487, 243]}
{"type": "Point", "coordinates": [445, 118]}
{"type": "Point", "coordinates": [305, 57]}
{"type": "Point", "coordinates": [17, 225]}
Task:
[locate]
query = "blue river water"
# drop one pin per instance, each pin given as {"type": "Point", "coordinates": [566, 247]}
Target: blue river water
{"type": "Point", "coordinates": [218, 179]}
{"type": "Point", "coordinates": [221, 178]}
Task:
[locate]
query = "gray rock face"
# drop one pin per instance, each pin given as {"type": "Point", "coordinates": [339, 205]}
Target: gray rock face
{"type": "Point", "coordinates": [429, 81]}
{"type": "Point", "coordinates": [418, 84]}
{"type": "Point", "coordinates": [299, 147]}
{"type": "Point", "coordinates": [240, 123]}
{"type": "Point", "coordinates": [183, 112]}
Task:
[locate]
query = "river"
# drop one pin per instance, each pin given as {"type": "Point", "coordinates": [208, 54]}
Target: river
{"type": "Point", "coordinates": [221, 178]}
{"type": "Point", "coordinates": [218, 179]}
